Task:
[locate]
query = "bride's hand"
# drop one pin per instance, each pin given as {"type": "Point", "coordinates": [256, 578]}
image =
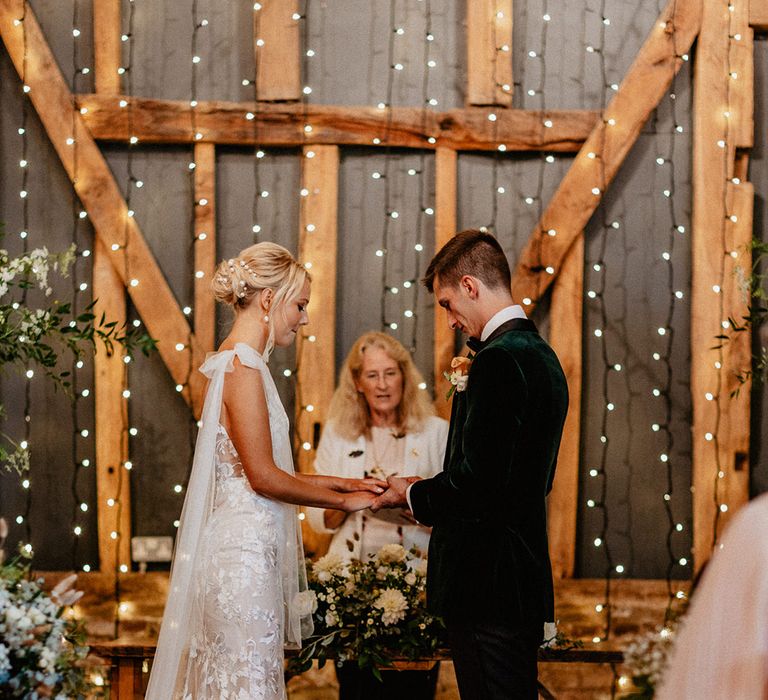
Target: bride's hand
{"type": "Point", "coordinates": [358, 500]}
{"type": "Point", "coordinates": [376, 486]}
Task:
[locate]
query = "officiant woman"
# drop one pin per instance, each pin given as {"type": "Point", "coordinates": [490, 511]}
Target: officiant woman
{"type": "Point", "coordinates": [380, 423]}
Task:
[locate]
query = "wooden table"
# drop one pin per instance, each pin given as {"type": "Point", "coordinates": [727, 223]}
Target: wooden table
{"type": "Point", "coordinates": [129, 664]}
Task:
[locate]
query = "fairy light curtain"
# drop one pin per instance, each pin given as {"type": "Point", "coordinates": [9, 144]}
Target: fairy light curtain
{"type": "Point", "coordinates": [61, 488]}
{"type": "Point", "coordinates": [355, 53]}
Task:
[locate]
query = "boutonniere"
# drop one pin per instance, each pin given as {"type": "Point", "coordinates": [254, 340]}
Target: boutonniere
{"type": "Point", "coordinates": [459, 374]}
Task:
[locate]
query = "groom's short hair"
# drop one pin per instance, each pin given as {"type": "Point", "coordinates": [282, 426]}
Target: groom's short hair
{"type": "Point", "coordinates": [470, 252]}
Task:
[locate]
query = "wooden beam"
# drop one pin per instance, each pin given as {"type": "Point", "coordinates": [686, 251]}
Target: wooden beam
{"type": "Point", "coordinates": [107, 46]}
{"type": "Point", "coordinates": [317, 250]}
{"type": "Point", "coordinates": [566, 339]}
{"type": "Point", "coordinates": [758, 15]}
{"type": "Point", "coordinates": [205, 244]}
{"type": "Point", "coordinates": [722, 224]}
{"type": "Point", "coordinates": [574, 202]}
{"type": "Point", "coordinates": [167, 121]}
{"type": "Point", "coordinates": [111, 415]}
{"type": "Point", "coordinates": [489, 52]}
{"type": "Point", "coordinates": [316, 345]}
{"type": "Point", "coordinates": [445, 229]}
{"type": "Point", "coordinates": [277, 45]}
{"type": "Point", "coordinates": [742, 64]}
{"type": "Point", "coordinates": [101, 198]}
{"type": "Point", "coordinates": [113, 492]}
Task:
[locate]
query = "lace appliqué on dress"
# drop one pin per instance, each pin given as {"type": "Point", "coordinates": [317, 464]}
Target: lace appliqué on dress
{"type": "Point", "coordinates": [238, 651]}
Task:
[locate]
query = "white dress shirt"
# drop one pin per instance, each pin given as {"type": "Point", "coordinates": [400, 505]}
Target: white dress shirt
{"type": "Point", "coordinates": [506, 314]}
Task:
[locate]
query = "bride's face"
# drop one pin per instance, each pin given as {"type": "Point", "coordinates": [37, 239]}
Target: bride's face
{"type": "Point", "coordinates": [291, 317]}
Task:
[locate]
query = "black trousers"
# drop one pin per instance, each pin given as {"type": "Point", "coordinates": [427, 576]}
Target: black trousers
{"type": "Point", "coordinates": [355, 684]}
{"type": "Point", "coordinates": [495, 662]}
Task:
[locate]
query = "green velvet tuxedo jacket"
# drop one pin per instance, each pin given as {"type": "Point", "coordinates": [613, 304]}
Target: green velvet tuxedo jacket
{"type": "Point", "coordinates": [488, 555]}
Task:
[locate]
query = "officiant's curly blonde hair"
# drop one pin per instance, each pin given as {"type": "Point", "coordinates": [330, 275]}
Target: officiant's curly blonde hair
{"type": "Point", "coordinates": [349, 411]}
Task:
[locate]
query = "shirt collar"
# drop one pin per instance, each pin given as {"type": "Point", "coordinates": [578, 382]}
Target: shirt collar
{"type": "Point", "coordinates": [506, 314]}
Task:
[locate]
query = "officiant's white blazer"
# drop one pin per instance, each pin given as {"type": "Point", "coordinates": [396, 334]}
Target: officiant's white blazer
{"type": "Point", "coordinates": [338, 456]}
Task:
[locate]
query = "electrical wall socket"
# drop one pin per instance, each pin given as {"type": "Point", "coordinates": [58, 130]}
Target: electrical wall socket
{"type": "Point", "coordinates": [145, 549]}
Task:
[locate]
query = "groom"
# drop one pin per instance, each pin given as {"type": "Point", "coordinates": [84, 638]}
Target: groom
{"type": "Point", "coordinates": [489, 574]}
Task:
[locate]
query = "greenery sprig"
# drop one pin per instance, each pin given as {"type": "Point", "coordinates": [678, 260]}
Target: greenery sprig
{"type": "Point", "coordinates": [40, 335]}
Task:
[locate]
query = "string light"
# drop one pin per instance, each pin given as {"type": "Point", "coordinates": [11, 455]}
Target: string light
{"type": "Point", "coordinates": [605, 545]}
{"type": "Point", "coordinates": [23, 234]}
{"type": "Point", "coordinates": [720, 395]}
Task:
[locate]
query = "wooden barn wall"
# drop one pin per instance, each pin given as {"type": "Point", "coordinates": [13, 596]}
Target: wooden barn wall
{"type": "Point", "coordinates": [351, 66]}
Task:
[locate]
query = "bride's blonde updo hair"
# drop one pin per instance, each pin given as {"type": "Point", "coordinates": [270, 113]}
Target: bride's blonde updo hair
{"type": "Point", "coordinates": [238, 281]}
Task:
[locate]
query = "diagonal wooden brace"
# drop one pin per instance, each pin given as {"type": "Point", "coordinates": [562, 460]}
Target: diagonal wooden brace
{"type": "Point", "coordinates": [581, 190]}
{"type": "Point", "coordinates": [101, 198]}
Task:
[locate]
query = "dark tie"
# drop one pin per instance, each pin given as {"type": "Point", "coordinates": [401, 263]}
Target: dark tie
{"type": "Point", "coordinates": [475, 345]}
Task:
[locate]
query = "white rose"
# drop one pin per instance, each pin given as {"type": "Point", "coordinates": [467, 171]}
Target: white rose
{"type": "Point", "coordinates": [410, 578]}
{"type": "Point", "coordinates": [420, 567]}
{"type": "Point", "coordinates": [391, 553]}
{"type": "Point", "coordinates": [459, 381]}
{"type": "Point", "coordinates": [305, 602]}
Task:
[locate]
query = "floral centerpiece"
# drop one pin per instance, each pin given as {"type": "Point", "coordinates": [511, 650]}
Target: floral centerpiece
{"type": "Point", "coordinates": [42, 651]}
{"type": "Point", "coordinates": [371, 611]}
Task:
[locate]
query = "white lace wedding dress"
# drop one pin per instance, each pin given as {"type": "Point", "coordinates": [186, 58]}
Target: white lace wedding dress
{"type": "Point", "coordinates": [237, 569]}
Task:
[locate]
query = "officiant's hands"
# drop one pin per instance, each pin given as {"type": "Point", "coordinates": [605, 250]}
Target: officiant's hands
{"type": "Point", "coordinates": [394, 496]}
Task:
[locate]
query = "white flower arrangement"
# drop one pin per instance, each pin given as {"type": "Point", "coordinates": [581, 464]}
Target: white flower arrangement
{"type": "Point", "coordinates": [42, 652]}
{"type": "Point", "coordinates": [646, 659]}
{"type": "Point", "coordinates": [372, 611]}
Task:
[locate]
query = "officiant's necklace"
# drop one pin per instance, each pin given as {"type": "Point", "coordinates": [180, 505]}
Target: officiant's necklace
{"type": "Point", "coordinates": [378, 458]}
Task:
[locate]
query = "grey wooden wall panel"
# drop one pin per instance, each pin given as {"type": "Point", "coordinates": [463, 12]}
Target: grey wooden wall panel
{"type": "Point", "coordinates": [351, 67]}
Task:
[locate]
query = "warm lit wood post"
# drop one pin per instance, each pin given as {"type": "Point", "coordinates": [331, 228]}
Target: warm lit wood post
{"type": "Point", "coordinates": [758, 15]}
{"type": "Point", "coordinates": [107, 46]}
{"type": "Point", "coordinates": [566, 339]}
{"type": "Point", "coordinates": [722, 228]}
{"type": "Point", "coordinates": [445, 228]}
{"type": "Point", "coordinates": [205, 244]}
{"type": "Point", "coordinates": [316, 345]}
{"type": "Point", "coordinates": [572, 205]}
{"type": "Point", "coordinates": [111, 410]}
{"type": "Point", "coordinates": [317, 250]}
{"type": "Point", "coordinates": [489, 52]}
{"type": "Point", "coordinates": [102, 200]}
{"type": "Point", "coordinates": [111, 424]}
{"type": "Point", "coordinates": [277, 45]}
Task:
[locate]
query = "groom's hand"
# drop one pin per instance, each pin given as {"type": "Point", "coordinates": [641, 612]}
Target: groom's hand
{"type": "Point", "coordinates": [394, 496]}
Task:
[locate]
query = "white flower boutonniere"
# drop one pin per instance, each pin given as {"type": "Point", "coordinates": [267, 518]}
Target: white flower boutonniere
{"type": "Point", "coordinates": [459, 374]}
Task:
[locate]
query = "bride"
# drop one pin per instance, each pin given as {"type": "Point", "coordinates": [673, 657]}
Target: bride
{"type": "Point", "coordinates": [234, 594]}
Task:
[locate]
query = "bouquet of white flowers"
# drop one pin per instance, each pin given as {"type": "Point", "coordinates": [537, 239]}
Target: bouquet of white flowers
{"type": "Point", "coordinates": [42, 653]}
{"type": "Point", "coordinates": [371, 611]}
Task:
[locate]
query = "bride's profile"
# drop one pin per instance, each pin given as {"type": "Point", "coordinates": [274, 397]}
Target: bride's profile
{"type": "Point", "coordinates": [238, 568]}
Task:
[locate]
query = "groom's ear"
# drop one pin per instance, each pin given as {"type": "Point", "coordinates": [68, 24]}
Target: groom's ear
{"type": "Point", "coordinates": [469, 286]}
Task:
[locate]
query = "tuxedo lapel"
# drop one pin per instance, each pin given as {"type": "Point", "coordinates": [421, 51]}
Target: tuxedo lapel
{"type": "Point", "coordinates": [514, 324]}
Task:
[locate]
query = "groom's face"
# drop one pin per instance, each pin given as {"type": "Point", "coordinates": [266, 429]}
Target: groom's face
{"type": "Point", "coordinates": [460, 306]}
